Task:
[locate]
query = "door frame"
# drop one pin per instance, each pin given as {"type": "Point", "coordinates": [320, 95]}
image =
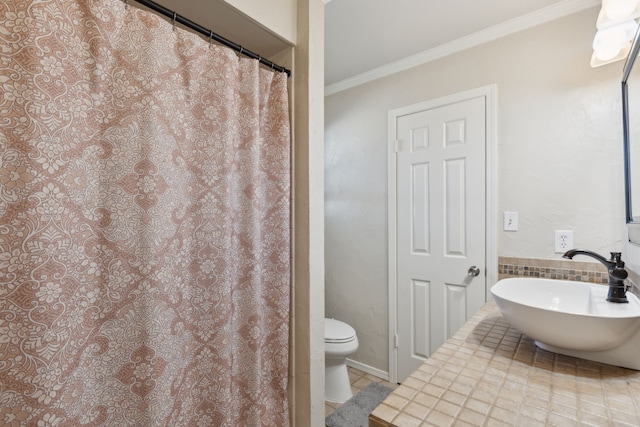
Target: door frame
{"type": "Point", "coordinates": [491, 205]}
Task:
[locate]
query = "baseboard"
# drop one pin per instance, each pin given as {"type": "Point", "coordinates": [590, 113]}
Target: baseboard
{"type": "Point", "coordinates": [368, 369]}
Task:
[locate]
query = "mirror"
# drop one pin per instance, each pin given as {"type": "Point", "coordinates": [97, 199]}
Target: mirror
{"type": "Point", "coordinates": [631, 133]}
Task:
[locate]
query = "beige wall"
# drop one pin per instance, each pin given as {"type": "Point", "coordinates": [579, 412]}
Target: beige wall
{"type": "Point", "coordinates": [278, 16]}
{"type": "Point", "coordinates": [307, 388]}
{"type": "Point", "coordinates": [631, 255]}
{"type": "Point", "coordinates": [559, 160]}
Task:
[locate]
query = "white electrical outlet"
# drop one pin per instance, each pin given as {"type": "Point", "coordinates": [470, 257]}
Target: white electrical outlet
{"type": "Point", "coordinates": [563, 240]}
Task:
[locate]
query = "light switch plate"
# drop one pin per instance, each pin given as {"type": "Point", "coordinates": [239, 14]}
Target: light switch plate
{"type": "Point", "coordinates": [510, 221]}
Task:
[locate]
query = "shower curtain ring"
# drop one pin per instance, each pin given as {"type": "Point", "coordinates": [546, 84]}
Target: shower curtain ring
{"type": "Point", "coordinates": [210, 38]}
{"type": "Point", "coordinates": [173, 21]}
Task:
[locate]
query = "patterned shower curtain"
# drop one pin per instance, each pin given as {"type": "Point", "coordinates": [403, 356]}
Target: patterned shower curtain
{"type": "Point", "coordinates": [144, 223]}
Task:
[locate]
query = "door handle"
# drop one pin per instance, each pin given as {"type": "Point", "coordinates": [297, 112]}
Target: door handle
{"type": "Point", "coordinates": [473, 271]}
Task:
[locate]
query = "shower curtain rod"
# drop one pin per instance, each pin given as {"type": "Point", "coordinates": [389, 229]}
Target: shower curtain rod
{"type": "Point", "coordinates": [209, 34]}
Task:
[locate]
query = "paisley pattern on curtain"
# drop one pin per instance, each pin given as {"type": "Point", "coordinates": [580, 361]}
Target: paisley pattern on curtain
{"type": "Point", "coordinates": [144, 223]}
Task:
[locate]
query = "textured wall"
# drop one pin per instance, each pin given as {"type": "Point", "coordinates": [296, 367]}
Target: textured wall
{"type": "Point", "coordinates": [279, 16]}
{"type": "Point", "coordinates": [559, 160]}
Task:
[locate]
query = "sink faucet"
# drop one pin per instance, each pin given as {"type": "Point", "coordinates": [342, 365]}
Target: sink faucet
{"type": "Point", "coordinates": [617, 273]}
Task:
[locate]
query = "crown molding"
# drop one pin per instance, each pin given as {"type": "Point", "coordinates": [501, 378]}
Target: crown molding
{"type": "Point", "coordinates": [547, 14]}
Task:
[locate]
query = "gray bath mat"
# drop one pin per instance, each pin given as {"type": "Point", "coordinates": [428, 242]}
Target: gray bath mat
{"type": "Point", "coordinates": [355, 411]}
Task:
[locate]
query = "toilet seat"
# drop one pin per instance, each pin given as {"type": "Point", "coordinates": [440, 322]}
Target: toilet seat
{"type": "Point", "coordinates": [337, 332]}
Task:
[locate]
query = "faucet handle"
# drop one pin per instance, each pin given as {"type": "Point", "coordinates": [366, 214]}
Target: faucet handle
{"type": "Point", "coordinates": [617, 258]}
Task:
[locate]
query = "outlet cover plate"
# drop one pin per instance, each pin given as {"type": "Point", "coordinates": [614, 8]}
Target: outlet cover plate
{"type": "Point", "coordinates": [563, 241]}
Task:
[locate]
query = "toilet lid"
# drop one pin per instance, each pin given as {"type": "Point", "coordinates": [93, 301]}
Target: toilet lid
{"type": "Point", "coordinates": [336, 331]}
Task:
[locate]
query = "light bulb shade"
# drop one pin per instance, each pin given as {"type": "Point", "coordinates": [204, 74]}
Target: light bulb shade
{"type": "Point", "coordinates": [610, 41]}
{"type": "Point", "coordinates": [607, 52]}
{"type": "Point", "coordinates": [597, 62]}
{"type": "Point", "coordinates": [618, 10]}
{"type": "Point", "coordinates": [616, 26]}
{"type": "Point", "coordinates": [615, 11]}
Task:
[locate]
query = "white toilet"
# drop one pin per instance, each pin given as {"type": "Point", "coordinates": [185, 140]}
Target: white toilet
{"type": "Point", "coordinates": [340, 341]}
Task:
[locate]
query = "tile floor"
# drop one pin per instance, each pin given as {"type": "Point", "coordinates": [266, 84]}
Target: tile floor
{"type": "Point", "coordinates": [359, 380]}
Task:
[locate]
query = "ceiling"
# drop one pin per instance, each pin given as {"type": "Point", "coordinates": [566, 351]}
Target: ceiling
{"type": "Point", "coordinates": [362, 35]}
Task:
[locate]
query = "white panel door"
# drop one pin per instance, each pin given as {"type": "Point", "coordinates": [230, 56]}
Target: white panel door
{"type": "Point", "coordinates": [440, 226]}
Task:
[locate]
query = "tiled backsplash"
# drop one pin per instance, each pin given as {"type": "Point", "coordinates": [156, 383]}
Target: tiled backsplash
{"type": "Point", "coordinates": [581, 271]}
{"type": "Point", "coordinates": [552, 269]}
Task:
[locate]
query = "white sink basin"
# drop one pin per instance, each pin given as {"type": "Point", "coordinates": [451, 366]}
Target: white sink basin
{"type": "Point", "coordinates": [573, 318]}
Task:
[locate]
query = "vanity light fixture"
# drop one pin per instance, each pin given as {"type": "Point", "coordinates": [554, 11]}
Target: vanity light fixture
{"type": "Point", "coordinates": [617, 24]}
